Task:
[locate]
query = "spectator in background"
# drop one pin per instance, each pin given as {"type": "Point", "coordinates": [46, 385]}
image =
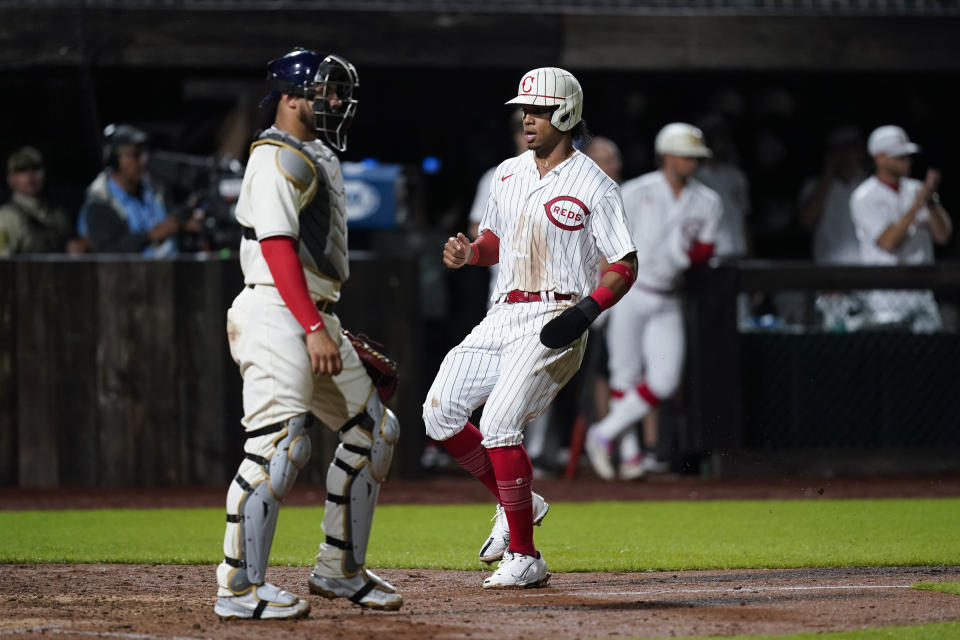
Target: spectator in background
{"type": "Point", "coordinates": [825, 200]}
{"type": "Point", "coordinates": [721, 173]}
{"type": "Point", "coordinates": [606, 154]}
{"type": "Point", "coordinates": [898, 219]}
{"type": "Point", "coordinates": [29, 224]}
{"type": "Point", "coordinates": [123, 212]}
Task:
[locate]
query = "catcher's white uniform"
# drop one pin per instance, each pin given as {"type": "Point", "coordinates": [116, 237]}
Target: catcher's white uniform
{"type": "Point", "coordinates": [295, 189]}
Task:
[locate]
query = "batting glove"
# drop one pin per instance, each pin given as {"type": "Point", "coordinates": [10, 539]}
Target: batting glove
{"type": "Point", "coordinates": [570, 324]}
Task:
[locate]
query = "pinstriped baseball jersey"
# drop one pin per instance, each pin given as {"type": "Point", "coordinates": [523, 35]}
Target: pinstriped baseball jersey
{"type": "Point", "coordinates": [665, 226]}
{"type": "Point", "coordinates": [554, 230]}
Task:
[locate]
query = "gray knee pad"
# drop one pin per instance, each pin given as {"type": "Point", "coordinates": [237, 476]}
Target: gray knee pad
{"type": "Point", "coordinates": [279, 452]}
{"type": "Point", "coordinates": [358, 469]}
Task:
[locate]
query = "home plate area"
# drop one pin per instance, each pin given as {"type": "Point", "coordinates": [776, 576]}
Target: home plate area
{"type": "Point", "coordinates": [164, 601]}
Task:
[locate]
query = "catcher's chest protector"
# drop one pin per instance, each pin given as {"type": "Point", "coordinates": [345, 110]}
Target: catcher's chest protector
{"type": "Point", "coordinates": [323, 221]}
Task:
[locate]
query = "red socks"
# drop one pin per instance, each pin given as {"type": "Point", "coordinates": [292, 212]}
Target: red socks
{"type": "Point", "coordinates": [514, 474]}
{"type": "Point", "coordinates": [466, 449]}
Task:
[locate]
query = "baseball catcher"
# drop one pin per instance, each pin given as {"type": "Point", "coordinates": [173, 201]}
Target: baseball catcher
{"type": "Point", "coordinates": [297, 363]}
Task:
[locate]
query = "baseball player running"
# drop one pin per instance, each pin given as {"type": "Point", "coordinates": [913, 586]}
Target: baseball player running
{"type": "Point", "coordinates": [673, 220]}
{"type": "Point", "coordinates": [294, 360]}
{"type": "Point", "coordinates": [554, 222]}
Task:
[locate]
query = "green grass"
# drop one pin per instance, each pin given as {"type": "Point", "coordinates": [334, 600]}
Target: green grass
{"type": "Point", "coordinates": [939, 631]}
{"type": "Point", "coordinates": [598, 536]}
{"type": "Point", "coordinates": [941, 587]}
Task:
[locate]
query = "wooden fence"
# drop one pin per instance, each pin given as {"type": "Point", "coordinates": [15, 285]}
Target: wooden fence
{"type": "Point", "coordinates": [116, 370]}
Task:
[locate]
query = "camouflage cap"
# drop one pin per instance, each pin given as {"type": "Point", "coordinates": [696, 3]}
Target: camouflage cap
{"type": "Point", "coordinates": [24, 158]}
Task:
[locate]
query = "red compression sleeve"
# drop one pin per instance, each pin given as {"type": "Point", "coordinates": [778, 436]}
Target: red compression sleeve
{"type": "Point", "coordinates": [625, 272]}
{"type": "Point", "coordinates": [700, 252]}
{"type": "Point", "coordinates": [604, 296]}
{"type": "Point", "coordinates": [486, 249]}
{"type": "Point", "coordinates": [288, 275]}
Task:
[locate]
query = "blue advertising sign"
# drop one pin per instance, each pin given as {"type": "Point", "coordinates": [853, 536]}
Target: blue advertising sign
{"type": "Point", "coordinates": [371, 194]}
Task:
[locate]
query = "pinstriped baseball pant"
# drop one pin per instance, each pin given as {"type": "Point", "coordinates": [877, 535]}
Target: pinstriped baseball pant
{"type": "Point", "coordinates": [501, 362]}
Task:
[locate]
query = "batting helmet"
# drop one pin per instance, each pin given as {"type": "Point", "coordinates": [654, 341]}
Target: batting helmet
{"type": "Point", "coordinates": [119, 135]}
{"type": "Point", "coordinates": [335, 75]}
{"type": "Point", "coordinates": [681, 139]}
{"type": "Point", "coordinates": [552, 87]}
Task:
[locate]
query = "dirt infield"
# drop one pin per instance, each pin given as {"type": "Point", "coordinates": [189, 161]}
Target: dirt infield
{"type": "Point", "coordinates": [135, 601]}
{"type": "Point", "coordinates": [126, 601]}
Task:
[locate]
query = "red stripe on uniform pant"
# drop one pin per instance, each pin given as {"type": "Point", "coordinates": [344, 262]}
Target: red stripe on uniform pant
{"type": "Point", "coordinates": [648, 395]}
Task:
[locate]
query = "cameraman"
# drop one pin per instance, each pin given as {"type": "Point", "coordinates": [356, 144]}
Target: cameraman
{"type": "Point", "coordinates": [123, 211]}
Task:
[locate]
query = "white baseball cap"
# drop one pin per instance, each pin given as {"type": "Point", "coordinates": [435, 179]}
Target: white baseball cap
{"type": "Point", "coordinates": [681, 139]}
{"type": "Point", "coordinates": [552, 87]}
{"type": "Point", "coordinates": [890, 140]}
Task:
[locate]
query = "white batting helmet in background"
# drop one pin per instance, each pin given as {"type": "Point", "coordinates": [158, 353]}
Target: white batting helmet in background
{"type": "Point", "coordinates": [681, 139]}
{"type": "Point", "coordinates": [552, 87]}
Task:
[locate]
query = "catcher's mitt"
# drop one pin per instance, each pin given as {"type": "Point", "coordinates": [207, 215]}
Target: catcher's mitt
{"type": "Point", "coordinates": [381, 369]}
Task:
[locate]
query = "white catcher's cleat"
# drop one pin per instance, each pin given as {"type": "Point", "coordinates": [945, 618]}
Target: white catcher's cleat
{"type": "Point", "coordinates": [262, 602]}
{"type": "Point", "coordinates": [366, 589]}
{"type": "Point", "coordinates": [493, 549]}
{"type": "Point", "coordinates": [518, 571]}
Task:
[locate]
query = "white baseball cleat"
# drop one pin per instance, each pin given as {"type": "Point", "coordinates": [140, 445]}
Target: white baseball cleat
{"type": "Point", "coordinates": [499, 539]}
{"type": "Point", "coordinates": [262, 602]}
{"type": "Point", "coordinates": [599, 453]}
{"type": "Point", "coordinates": [518, 571]}
{"type": "Point", "coordinates": [366, 589]}
{"type": "Point", "coordinates": [651, 464]}
{"type": "Point", "coordinates": [633, 469]}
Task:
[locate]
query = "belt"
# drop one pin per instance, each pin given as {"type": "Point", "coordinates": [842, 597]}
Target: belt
{"type": "Point", "coordinates": [534, 296]}
{"type": "Point", "coordinates": [323, 306]}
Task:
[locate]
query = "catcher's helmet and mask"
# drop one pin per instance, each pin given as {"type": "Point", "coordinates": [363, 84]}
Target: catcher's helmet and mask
{"type": "Point", "coordinates": [552, 87]}
{"type": "Point", "coordinates": [305, 73]}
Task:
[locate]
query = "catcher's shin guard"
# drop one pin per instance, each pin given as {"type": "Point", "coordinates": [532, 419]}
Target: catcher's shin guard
{"type": "Point", "coordinates": [274, 456]}
{"type": "Point", "coordinates": [359, 466]}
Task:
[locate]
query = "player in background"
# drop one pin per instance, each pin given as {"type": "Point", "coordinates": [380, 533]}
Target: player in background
{"type": "Point", "coordinates": [296, 364]}
{"type": "Point", "coordinates": [673, 220]}
{"type": "Point", "coordinates": [721, 173]}
{"type": "Point", "coordinates": [825, 199]}
{"type": "Point", "coordinates": [898, 219]}
{"type": "Point", "coordinates": [554, 223]}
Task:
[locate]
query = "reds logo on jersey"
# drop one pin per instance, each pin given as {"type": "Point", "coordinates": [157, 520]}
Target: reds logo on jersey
{"type": "Point", "coordinates": [567, 212]}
